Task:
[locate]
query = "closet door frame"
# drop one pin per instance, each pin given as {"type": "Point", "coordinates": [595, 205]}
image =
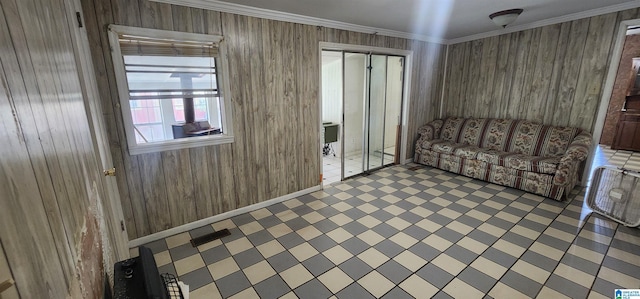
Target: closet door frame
{"type": "Point", "coordinates": [406, 96]}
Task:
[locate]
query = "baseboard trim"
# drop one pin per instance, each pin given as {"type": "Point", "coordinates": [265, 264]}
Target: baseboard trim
{"type": "Point", "coordinates": [202, 222]}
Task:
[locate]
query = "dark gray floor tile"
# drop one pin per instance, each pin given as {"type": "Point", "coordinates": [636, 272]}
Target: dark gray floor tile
{"type": "Point", "coordinates": [615, 243]}
{"type": "Point", "coordinates": [355, 268]}
{"type": "Point", "coordinates": [458, 208]}
{"type": "Point", "coordinates": [354, 214]}
{"type": "Point", "coordinates": [382, 215]}
{"type": "Point", "coordinates": [397, 293]}
{"type": "Point", "coordinates": [325, 225]}
{"type": "Point", "coordinates": [486, 209]}
{"type": "Point", "coordinates": [291, 240]}
{"type": "Point", "coordinates": [567, 287]}
{"type": "Point", "coordinates": [439, 219]}
{"type": "Point", "coordinates": [157, 246]}
{"type": "Point", "coordinates": [236, 234]}
{"type": "Point", "coordinates": [354, 290]}
{"type": "Point", "coordinates": [599, 229]}
{"type": "Point", "coordinates": [565, 227]}
{"type": "Point", "coordinates": [182, 251]}
{"type": "Point", "coordinates": [539, 260]}
{"type": "Point", "coordinates": [168, 268]}
{"type": "Point", "coordinates": [355, 246]}
{"type": "Point", "coordinates": [622, 266]}
{"type": "Point", "coordinates": [406, 205]}
{"type": "Point", "coordinates": [449, 234]}
{"type": "Point", "coordinates": [297, 223]}
{"type": "Point", "coordinates": [501, 223]}
{"type": "Point", "coordinates": [272, 288]}
{"type": "Point", "coordinates": [355, 202]}
{"type": "Point", "coordinates": [605, 287]}
{"type": "Point", "coordinates": [389, 248]}
{"type": "Point", "coordinates": [313, 289]}
{"type": "Point", "coordinates": [282, 261]}
{"type": "Point", "coordinates": [302, 210]}
{"type": "Point", "coordinates": [355, 228]}
{"type": "Point", "coordinates": [379, 203]}
{"type": "Point", "coordinates": [232, 284]}
{"type": "Point", "coordinates": [435, 276]}
{"type": "Point", "coordinates": [521, 283]}
{"type": "Point", "coordinates": [499, 257]}
{"type": "Point", "coordinates": [269, 221]}
{"type": "Point", "coordinates": [243, 219]}
{"type": "Point", "coordinates": [424, 251]}
{"type": "Point", "coordinates": [322, 243]}
{"type": "Point", "coordinates": [543, 212]}
{"type": "Point", "coordinates": [307, 198]}
{"type": "Point", "coordinates": [393, 271]}
{"type": "Point", "coordinates": [519, 240]}
{"type": "Point", "coordinates": [416, 232]}
{"type": "Point", "coordinates": [376, 193]}
{"type": "Point", "coordinates": [201, 231]}
{"type": "Point", "coordinates": [430, 205]}
{"type": "Point", "coordinates": [354, 192]}
{"type": "Point", "coordinates": [215, 254]}
{"type": "Point", "coordinates": [532, 225]}
{"type": "Point", "coordinates": [260, 238]}
{"type": "Point", "coordinates": [441, 295]}
{"type": "Point", "coordinates": [197, 278]}
{"type": "Point", "coordinates": [410, 217]}
{"type": "Point", "coordinates": [477, 279]}
{"type": "Point", "coordinates": [554, 242]}
{"type": "Point", "coordinates": [478, 199]}
{"type": "Point", "coordinates": [461, 254]}
{"type": "Point", "coordinates": [482, 237]}
{"type": "Point", "coordinates": [501, 200]}
{"type": "Point", "coordinates": [248, 258]}
{"type": "Point", "coordinates": [385, 230]}
{"type": "Point", "coordinates": [581, 264]}
{"type": "Point", "coordinates": [470, 221]}
{"type": "Point", "coordinates": [318, 264]}
{"type": "Point", "coordinates": [328, 212]}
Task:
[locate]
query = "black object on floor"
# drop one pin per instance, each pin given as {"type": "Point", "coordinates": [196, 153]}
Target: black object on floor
{"type": "Point", "coordinates": [195, 242]}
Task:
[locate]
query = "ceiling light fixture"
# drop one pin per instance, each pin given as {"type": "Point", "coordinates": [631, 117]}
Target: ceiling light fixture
{"type": "Point", "coordinates": [505, 17]}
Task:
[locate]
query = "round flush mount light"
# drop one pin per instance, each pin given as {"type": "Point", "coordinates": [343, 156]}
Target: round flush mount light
{"type": "Point", "coordinates": [505, 17]}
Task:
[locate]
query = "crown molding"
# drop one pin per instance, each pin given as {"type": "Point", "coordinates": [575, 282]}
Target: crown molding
{"type": "Point", "coordinates": [245, 10]}
{"type": "Point", "coordinates": [550, 21]}
{"type": "Point", "coordinates": [295, 18]}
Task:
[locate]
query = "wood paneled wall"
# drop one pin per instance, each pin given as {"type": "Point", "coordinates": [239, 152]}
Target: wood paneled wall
{"type": "Point", "coordinates": [553, 74]}
{"type": "Point", "coordinates": [51, 188]}
{"type": "Point", "coordinates": [274, 70]}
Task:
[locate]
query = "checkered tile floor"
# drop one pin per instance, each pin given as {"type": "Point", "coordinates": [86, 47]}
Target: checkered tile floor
{"type": "Point", "coordinates": [400, 233]}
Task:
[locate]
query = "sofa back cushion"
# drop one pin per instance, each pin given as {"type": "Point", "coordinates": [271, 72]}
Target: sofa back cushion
{"type": "Point", "coordinates": [508, 135]}
{"type": "Point", "coordinates": [497, 134]}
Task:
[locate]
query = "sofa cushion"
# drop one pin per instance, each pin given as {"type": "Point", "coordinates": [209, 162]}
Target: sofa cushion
{"type": "Point", "coordinates": [451, 128]}
{"type": "Point", "coordinates": [535, 139]}
{"type": "Point", "coordinates": [497, 134]}
{"type": "Point", "coordinates": [472, 131]}
{"type": "Point", "coordinates": [524, 162]}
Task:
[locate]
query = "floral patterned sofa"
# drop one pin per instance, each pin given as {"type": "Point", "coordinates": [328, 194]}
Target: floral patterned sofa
{"type": "Point", "coordinates": [536, 158]}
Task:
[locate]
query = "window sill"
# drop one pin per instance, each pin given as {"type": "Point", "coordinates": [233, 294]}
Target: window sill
{"type": "Point", "coordinates": [181, 143]}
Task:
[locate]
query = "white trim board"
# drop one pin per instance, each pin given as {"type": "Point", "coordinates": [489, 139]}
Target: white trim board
{"type": "Point", "coordinates": [294, 18]}
{"type": "Point", "coordinates": [307, 20]}
{"type": "Point", "coordinates": [213, 219]}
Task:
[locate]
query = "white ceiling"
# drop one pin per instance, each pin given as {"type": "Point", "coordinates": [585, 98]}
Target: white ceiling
{"type": "Point", "coordinates": [437, 19]}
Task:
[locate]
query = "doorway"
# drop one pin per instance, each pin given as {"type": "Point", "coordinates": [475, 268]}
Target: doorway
{"type": "Point", "coordinates": [362, 101]}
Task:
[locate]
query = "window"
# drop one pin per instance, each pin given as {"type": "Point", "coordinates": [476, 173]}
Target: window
{"type": "Point", "coordinates": [173, 88]}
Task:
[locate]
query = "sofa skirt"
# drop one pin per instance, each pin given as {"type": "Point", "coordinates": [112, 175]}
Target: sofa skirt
{"type": "Point", "coordinates": [536, 183]}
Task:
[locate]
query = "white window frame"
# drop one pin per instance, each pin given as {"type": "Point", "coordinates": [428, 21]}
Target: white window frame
{"type": "Point", "coordinates": [222, 68]}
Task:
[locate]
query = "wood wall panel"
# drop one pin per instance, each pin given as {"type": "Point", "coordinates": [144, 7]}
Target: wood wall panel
{"type": "Point", "coordinates": [274, 75]}
{"type": "Point", "coordinates": [552, 74]}
{"type": "Point", "coordinates": [50, 178]}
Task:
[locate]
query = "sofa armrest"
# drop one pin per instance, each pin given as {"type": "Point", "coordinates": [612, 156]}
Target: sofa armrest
{"type": "Point", "coordinates": [431, 130]}
{"type": "Point", "coordinates": [577, 152]}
